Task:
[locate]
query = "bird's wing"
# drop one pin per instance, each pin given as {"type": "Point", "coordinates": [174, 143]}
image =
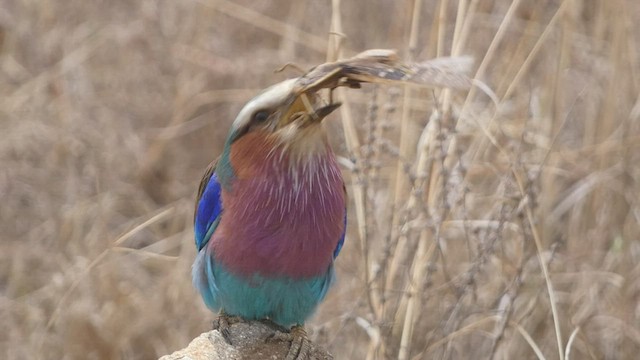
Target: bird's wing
{"type": "Point", "coordinates": [336, 252]}
{"type": "Point", "coordinates": [208, 208]}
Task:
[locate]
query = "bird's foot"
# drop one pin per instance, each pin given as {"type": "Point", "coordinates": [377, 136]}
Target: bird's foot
{"type": "Point", "coordinates": [223, 324]}
{"type": "Point", "coordinates": [300, 344]}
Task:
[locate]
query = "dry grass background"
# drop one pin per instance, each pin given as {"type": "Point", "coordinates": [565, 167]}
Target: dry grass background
{"type": "Point", "coordinates": [478, 230]}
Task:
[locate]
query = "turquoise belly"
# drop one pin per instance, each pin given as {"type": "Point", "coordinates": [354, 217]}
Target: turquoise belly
{"type": "Point", "coordinates": [282, 300]}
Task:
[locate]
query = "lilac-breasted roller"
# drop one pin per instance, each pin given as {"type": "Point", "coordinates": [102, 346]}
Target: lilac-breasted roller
{"type": "Point", "coordinates": [270, 216]}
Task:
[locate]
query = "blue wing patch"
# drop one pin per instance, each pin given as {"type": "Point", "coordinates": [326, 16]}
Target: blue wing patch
{"type": "Point", "coordinates": [341, 241]}
{"type": "Point", "coordinates": [208, 208]}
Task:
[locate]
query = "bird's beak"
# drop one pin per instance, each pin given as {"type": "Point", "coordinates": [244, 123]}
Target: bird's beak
{"type": "Point", "coordinates": [324, 111]}
{"type": "Point", "coordinates": [303, 109]}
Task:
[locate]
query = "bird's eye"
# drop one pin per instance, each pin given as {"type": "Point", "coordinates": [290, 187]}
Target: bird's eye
{"type": "Point", "coordinates": [260, 116]}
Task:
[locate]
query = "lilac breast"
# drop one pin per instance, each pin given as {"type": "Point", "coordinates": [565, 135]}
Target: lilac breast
{"type": "Point", "coordinates": [281, 219]}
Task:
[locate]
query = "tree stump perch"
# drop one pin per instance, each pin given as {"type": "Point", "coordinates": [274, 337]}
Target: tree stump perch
{"type": "Point", "coordinates": [249, 341]}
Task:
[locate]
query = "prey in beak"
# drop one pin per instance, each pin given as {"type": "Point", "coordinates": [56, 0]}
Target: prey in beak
{"type": "Point", "coordinates": [373, 66]}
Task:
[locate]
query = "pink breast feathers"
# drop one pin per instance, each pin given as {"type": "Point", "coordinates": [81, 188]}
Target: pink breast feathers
{"type": "Point", "coordinates": [281, 217]}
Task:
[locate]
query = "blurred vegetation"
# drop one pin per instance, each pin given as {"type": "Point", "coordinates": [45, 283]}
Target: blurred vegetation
{"type": "Point", "coordinates": [477, 230]}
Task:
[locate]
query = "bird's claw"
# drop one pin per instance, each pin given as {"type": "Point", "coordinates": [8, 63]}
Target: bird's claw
{"type": "Point", "coordinates": [300, 344]}
{"type": "Point", "coordinates": [223, 324]}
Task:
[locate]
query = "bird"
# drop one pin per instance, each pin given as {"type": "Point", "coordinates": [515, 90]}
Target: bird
{"type": "Point", "coordinates": [271, 211]}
